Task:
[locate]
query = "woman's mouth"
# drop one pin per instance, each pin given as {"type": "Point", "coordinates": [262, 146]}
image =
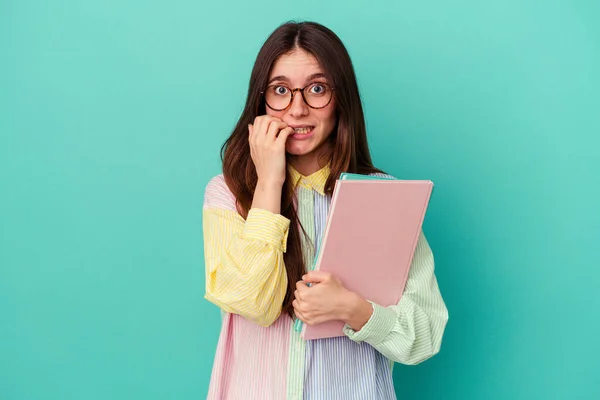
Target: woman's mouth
{"type": "Point", "coordinates": [303, 133]}
{"type": "Point", "coordinates": [305, 130]}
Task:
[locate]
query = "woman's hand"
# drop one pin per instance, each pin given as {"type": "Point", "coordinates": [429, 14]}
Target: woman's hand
{"type": "Point", "coordinates": [267, 137]}
{"type": "Point", "coordinates": [327, 299]}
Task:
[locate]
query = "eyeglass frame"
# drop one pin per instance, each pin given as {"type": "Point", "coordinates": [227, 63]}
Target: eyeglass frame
{"type": "Point", "coordinates": [301, 90]}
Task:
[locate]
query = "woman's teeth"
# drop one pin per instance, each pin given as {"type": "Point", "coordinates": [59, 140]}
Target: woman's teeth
{"type": "Point", "coordinates": [303, 131]}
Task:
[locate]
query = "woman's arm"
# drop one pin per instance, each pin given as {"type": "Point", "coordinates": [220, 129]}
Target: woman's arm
{"type": "Point", "coordinates": [245, 273]}
{"type": "Point", "coordinates": [411, 331]}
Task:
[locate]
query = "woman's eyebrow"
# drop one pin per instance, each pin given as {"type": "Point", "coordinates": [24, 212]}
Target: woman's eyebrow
{"type": "Point", "coordinates": [286, 79]}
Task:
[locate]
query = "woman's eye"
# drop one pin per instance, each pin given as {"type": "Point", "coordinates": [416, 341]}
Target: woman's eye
{"type": "Point", "coordinates": [317, 89]}
{"type": "Point", "coordinates": [281, 90]}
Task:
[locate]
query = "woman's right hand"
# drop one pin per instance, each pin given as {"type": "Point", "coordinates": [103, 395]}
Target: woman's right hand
{"type": "Point", "coordinates": [267, 137]}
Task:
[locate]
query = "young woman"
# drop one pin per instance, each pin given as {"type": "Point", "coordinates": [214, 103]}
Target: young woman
{"type": "Point", "coordinates": [301, 127]}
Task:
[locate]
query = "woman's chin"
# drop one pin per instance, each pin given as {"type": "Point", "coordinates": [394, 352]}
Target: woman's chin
{"type": "Point", "coordinates": [297, 149]}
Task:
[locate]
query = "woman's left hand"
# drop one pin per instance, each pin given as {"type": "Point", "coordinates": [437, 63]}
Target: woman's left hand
{"type": "Point", "coordinates": [327, 299]}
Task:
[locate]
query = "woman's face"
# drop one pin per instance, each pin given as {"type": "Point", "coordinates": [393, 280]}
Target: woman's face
{"type": "Point", "coordinates": [313, 126]}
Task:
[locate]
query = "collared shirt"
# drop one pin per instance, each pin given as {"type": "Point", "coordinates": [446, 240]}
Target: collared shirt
{"type": "Point", "coordinates": [260, 355]}
{"type": "Point", "coordinates": [315, 181]}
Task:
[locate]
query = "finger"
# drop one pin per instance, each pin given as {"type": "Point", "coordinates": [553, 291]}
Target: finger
{"type": "Point", "coordinates": [268, 118]}
{"type": "Point", "coordinates": [251, 138]}
{"type": "Point", "coordinates": [296, 305]}
{"type": "Point", "coordinates": [299, 315]}
{"type": "Point", "coordinates": [261, 123]}
{"type": "Point", "coordinates": [284, 134]}
{"type": "Point", "coordinates": [274, 129]}
{"type": "Point", "coordinates": [316, 277]}
{"type": "Point", "coordinates": [261, 128]}
{"type": "Point", "coordinates": [297, 295]}
{"type": "Point", "coordinates": [257, 130]}
{"type": "Point", "coordinates": [301, 285]}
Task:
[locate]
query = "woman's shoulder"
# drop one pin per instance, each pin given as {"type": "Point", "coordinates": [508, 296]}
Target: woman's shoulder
{"type": "Point", "coordinates": [218, 195]}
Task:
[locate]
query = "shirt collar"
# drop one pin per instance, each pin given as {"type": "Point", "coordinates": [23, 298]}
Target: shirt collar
{"type": "Point", "coordinates": [315, 181]}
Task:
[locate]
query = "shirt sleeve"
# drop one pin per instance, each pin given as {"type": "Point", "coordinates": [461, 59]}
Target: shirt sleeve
{"type": "Point", "coordinates": [411, 331]}
{"type": "Point", "coordinates": [245, 272]}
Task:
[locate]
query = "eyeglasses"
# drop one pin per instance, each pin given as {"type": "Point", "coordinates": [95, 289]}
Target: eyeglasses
{"type": "Point", "coordinates": [316, 95]}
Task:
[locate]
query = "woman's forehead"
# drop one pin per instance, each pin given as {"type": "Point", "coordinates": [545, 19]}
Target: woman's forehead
{"type": "Point", "coordinates": [296, 67]}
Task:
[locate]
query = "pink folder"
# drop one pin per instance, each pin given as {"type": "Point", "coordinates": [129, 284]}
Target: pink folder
{"type": "Point", "coordinates": [369, 241]}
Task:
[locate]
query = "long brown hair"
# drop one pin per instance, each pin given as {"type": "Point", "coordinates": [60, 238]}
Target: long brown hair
{"type": "Point", "coordinates": [350, 151]}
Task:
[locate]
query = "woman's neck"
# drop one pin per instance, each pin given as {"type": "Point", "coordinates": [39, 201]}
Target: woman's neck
{"type": "Point", "coordinates": [308, 164]}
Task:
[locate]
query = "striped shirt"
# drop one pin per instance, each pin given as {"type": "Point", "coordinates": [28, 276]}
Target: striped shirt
{"type": "Point", "coordinates": [259, 354]}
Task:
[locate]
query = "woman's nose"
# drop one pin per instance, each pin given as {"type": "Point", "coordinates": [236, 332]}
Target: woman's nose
{"type": "Point", "coordinates": [298, 107]}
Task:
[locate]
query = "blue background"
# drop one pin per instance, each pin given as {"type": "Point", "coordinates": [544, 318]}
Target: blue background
{"type": "Point", "coordinates": [112, 115]}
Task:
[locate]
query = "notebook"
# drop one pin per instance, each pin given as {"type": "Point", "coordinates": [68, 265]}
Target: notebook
{"type": "Point", "coordinates": [370, 238]}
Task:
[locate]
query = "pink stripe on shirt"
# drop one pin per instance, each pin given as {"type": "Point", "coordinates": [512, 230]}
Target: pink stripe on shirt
{"type": "Point", "coordinates": [251, 359]}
